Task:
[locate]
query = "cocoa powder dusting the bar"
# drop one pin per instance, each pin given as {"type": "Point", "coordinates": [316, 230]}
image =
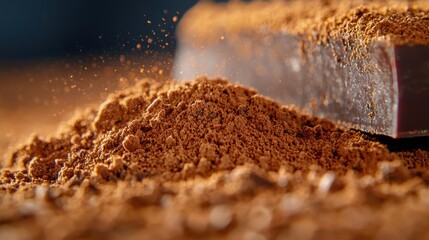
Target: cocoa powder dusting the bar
{"type": "Point", "coordinates": [392, 21]}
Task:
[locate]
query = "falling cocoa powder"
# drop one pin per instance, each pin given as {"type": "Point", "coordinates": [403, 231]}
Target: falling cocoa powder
{"type": "Point", "coordinates": [179, 131]}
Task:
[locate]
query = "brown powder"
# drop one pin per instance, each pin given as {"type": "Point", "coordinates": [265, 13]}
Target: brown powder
{"type": "Point", "coordinates": [361, 21]}
{"type": "Point", "coordinates": [244, 202]}
{"type": "Point", "coordinates": [179, 131]}
{"type": "Point", "coordinates": [178, 149]}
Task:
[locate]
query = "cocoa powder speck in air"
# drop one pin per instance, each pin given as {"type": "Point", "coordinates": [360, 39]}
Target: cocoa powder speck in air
{"type": "Point", "coordinates": [181, 130]}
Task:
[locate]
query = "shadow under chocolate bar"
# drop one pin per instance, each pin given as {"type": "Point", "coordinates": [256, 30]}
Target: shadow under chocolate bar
{"type": "Point", "coordinates": [384, 90]}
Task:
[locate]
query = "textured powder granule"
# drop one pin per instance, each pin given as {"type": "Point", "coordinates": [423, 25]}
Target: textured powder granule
{"type": "Point", "coordinates": [178, 131]}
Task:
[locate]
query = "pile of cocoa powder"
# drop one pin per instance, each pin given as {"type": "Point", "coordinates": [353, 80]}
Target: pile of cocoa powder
{"type": "Point", "coordinates": [178, 131]}
{"type": "Point", "coordinates": [202, 159]}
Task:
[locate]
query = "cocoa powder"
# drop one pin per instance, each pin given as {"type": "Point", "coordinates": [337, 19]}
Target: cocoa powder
{"type": "Point", "coordinates": [210, 159]}
{"type": "Point", "coordinates": [182, 130]}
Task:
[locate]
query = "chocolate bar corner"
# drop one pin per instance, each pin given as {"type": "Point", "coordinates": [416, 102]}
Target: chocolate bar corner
{"type": "Point", "coordinates": [385, 91]}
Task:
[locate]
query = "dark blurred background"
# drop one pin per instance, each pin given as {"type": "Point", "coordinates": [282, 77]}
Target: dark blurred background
{"type": "Point", "coordinates": [54, 28]}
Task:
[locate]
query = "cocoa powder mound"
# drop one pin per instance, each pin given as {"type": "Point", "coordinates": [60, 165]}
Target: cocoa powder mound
{"type": "Point", "coordinates": [287, 175]}
{"type": "Point", "coordinates": [182, 130]}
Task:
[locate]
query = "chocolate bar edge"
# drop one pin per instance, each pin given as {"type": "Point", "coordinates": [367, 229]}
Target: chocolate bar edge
{"type": "Point", "coordinates": [381, 119]}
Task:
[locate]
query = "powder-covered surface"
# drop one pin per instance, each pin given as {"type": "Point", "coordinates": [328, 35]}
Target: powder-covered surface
{"type": "Point", "coordinates": [210, 159]}
{"type": "Point", "coordinates": [245, 203]}
{"type": "Point", "coordinates": [393, 21]}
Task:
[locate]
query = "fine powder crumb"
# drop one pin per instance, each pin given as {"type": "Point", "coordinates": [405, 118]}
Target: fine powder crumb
{"type": "Point", "coordinates": [179, 131]}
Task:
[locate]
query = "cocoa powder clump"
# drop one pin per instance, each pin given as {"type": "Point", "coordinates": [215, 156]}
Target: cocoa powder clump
{"type": "Point", "coordinates": [181, 130]}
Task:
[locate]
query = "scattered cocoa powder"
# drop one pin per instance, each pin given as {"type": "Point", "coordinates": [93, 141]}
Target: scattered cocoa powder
{"type": "Point", "coordinates": [243, 203]}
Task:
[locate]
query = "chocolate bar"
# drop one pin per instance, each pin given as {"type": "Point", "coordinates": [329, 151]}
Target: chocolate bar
{"type": "Point", "coordinates": [377, 83]}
